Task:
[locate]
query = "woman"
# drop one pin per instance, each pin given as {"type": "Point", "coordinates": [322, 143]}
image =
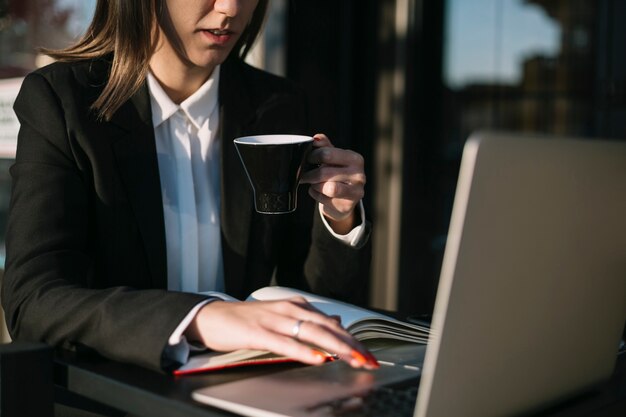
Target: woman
{"type": "Point", "coordinates": [128, 197]}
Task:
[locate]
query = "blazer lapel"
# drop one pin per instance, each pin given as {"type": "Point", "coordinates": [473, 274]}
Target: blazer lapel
{"type": "Point", "coordinates": [136, 157]}
{"type": "Point", "coordinates": [236, 115]}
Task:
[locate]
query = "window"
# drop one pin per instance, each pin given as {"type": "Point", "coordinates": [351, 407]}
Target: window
{"type": "Point", "coordinates": [518, 65]}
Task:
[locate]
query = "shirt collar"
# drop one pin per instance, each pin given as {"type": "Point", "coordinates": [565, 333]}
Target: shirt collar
{"type": "Point", "coordinates": [197, 107]}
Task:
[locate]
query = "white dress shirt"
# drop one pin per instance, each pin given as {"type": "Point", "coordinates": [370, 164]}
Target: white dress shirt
{"type": "Point", "coordinates": [188, 157]}
{"type": "Point", "coordinates": [188, 153]}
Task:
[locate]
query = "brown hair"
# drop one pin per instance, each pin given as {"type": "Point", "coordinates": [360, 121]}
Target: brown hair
{"type": "Point", "coordinates": [124, 29]}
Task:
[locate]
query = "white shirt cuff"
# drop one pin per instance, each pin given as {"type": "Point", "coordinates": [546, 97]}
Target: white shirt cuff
{"type": "Point", "coordinates": [178, 347]}
{"type": "Point", "coordinates": [354, 236]}
{"type": "Point", "coordinates": [177, 335]}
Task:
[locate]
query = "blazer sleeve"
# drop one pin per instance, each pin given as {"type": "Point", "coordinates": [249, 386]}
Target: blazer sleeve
{"type": "Point", "coordinates": [50, 292]}
{"type": "Point", "coordinates": [339, 269]}
{"type": "Point", "coordinates": [329, 267]}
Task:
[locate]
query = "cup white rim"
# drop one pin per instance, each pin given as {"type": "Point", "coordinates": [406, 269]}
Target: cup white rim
{"type": "Point", "coordinates": [272, 139]}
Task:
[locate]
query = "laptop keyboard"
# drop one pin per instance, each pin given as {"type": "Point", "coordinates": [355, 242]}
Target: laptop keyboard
{"type": "Point", "coordinates": [381, 402]}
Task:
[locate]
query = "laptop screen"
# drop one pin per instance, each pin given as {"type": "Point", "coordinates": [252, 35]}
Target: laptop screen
{"type": "Point", "coordinates": [532, 295]}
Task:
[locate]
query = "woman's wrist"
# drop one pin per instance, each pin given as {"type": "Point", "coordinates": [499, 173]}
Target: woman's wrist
{"type": "Point", "coordinates": [192, 333]}
{"type": "Point", "coordinates": [343, 226]}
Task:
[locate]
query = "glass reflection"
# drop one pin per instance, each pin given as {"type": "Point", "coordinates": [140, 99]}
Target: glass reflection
{"type": "Point", "coordinates": [522, 65]}
{"type": "Point", "coordinates": [26, 25]}
{"type": "Point", "coordinates": [488, 40]}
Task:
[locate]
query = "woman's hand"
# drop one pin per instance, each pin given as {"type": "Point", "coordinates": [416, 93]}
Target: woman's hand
{"type": "Point", "coordinates": [338, 183]}
{"type": "Point", "coordinates": [292, 328]}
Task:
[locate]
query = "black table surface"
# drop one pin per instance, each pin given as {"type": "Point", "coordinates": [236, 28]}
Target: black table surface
{"type": "Point", "coordinates": [143, 392]}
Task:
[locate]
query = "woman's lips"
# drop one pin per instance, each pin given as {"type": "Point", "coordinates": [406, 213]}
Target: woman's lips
{"type": "Point", "coordinates": [218, 36]}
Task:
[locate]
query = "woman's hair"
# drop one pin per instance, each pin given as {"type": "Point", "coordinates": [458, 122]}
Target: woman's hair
{"type": "Point", "coordinates": [124, 28]}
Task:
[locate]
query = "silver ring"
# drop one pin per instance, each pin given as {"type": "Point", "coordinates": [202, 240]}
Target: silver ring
{"type": "Point", "coordinates": [295, 331]}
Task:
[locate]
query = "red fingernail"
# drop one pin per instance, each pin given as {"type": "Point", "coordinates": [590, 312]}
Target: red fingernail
{"type": "Point", "coordinates": [357, 356]}
{"type": "Point", "coordinates": [319, 354]}
{"type": "Point", "coordinates": [372, 361]}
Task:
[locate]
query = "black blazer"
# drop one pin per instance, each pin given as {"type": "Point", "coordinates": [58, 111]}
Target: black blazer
{"type": "Point", "coordinates": [86, 258]}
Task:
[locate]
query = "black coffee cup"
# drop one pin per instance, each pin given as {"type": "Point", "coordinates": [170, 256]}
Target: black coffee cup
{"type": "Point", "coordinates": [274, 164]}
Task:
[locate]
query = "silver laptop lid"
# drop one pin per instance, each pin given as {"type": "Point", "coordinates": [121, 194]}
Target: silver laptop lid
{"type": "Point", "coordinates": [532, 294]}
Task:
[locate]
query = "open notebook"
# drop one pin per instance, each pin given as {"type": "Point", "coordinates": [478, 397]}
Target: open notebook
{"type": "Point", "coordinates": [365, 325]}
{"type": "Point", "coordinates": [531, 300]}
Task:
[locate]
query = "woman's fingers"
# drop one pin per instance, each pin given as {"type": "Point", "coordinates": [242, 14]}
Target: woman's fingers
{"type": "Point", "coordinates": [338, 182]}
{"type": "Point", "coordinates": [321, 139]}
{"type": "Point", "coordinates": [336, 208]}
{"type": "Point", "coordinates": [289, 347]}
{"type": "Point", "coordinates": [334, 189]}
{"type": "Point", "coordinates": [324, 332]}
{"type": "Point", "coordinates": [288, 327]}
{"type": "Point", "coordinates": [347, 175]}
{"type": "Point", "coordinates": [299, 308]}
{"type": "Point", "coordinates": [292, 348]}
{"type": "Point", "coordinates": [335, 156]}
{"type": "Point", "coordinates": [288, 313]}
{"type": "Point", "coordinates": [330, 337]}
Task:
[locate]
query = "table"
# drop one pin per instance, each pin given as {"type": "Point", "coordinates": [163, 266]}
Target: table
{"type": "Point", "coordinates": [142, 392]}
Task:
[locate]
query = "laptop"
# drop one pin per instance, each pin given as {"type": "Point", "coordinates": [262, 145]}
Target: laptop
{"type": "Point", "coordinates": [531, 301]}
